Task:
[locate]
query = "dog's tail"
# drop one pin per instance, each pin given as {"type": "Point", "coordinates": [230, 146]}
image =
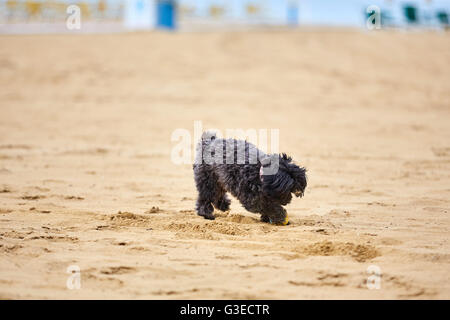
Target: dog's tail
{"type": "Point", "coordinates": [206, 139]}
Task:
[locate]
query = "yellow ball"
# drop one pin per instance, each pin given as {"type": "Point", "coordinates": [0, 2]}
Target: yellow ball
{"type": "Point", "coordinates": [285, 222]}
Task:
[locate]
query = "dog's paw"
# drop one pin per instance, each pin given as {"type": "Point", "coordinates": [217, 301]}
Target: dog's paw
{"type": "Point", "coordinates": [209, 217]}
{"type": "Point", "coordinates": [206, 212]}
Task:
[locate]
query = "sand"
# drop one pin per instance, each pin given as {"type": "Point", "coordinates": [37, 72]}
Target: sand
{"type": "Point", "coordinates": [86, 177]}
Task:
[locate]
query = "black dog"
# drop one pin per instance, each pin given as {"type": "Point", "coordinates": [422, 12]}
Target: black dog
{"type": "Point", "coordinates": [248, 174]}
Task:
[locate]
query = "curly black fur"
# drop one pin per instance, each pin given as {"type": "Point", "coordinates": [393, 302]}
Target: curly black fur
{"type": "Point", "coordinates": [259, 193]}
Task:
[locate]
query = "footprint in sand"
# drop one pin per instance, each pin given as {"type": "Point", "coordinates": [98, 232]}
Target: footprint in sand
{"type": "Point", "coordinates": [34, 197]}
{"type": "Point", "coordinates": [73, 198]}
{"type": "Point", "coordinates": [117, 270]}
{"type": "Point", "coordinates": [5, 189]}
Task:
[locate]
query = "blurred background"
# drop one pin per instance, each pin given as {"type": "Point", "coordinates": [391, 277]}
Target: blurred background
{"type": "Point", "coordinates": [40, 16]}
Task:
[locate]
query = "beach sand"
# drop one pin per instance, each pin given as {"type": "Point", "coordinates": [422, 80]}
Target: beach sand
{"type": "Point", "coordinates": [86, 177]}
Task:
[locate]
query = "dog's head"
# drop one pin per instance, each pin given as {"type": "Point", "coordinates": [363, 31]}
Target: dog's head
{"type": "Point", "coordinates": [289, 179]}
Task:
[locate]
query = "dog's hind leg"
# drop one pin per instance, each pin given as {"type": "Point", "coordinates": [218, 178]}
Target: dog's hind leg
{"type": "Point", "coordinates": [205, 182]}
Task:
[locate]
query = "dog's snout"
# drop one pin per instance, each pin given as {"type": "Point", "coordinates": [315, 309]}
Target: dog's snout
{"type": "Point", "coordinates": [298, 193]}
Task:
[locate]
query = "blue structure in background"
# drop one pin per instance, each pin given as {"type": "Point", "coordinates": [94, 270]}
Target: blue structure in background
{"type": "Point", "coordinates": [166, 13]}
{"type": "Point", "coordinates": [292, 14]}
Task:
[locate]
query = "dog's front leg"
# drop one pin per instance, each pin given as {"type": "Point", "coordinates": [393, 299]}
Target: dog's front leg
{"type": "Point", "coordinates": [205, 182]}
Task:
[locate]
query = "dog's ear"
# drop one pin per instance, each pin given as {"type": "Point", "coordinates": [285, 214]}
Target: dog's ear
{"type": "Point", "coordinates": [277, 184]}
{"type": "Point", "coordinates": [298, 175]}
